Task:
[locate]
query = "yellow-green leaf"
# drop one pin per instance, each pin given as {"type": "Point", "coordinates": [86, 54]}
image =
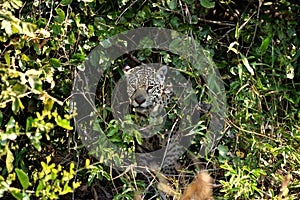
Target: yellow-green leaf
{"type": "Point", "coordinates": [7, 58]}
{"type": "Point", "coordinates": [87, 163]}
{"type": "Point", "coordinates": [63, 123]}
{"type": "Point", "coordinates": [247, 65]}
{"type": "Point", "coordinates": [23, 178]}
{"type": "Point", "coordinates": [9, 160]}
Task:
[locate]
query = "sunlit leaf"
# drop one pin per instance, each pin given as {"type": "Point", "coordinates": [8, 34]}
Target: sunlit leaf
{"type": "Point", "coordinates": [231, 47]}
{"type": "Point", "coordinates": [25, 57]}
{"type": "Point", "coordinates": [48, 104]}
{"type": "Point", "coordinates": [290, 71]}
{"type": "Point", "coordinates": [35, 83]}
{"type": "Point", "coordinates": [11, 124]}
{"type": "Point", "coordinates": [6, 25]}
{"type": "Point", "coordinates": [16, 4]}
{"type": "Point", "coordinates": [23, 178]}
{"type": "Point", "coordinates": [7, 58]}
{"type": "Point", "coordinates": [61, 15]}
{"type": "Point", "coordinates": [64, 123]}
{"type": "Point", "coordinates": [87, 163]}
{"type": "Point", "coordinates": [247, 65]}
{"type": "Point", "coordinates": [28, 29]}
{"type": "Point", "coordinates": [17, 105]}
{"type": "Point", "coordinates": [9, 160]}
{"type": "Point", "coordinates": [240, 70]}
{"type": "Point", "coordinates": [18, 194]}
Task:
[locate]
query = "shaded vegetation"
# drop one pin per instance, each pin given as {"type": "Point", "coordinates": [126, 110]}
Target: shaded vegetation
{"type": "Point", "coordinates": [254, 44]}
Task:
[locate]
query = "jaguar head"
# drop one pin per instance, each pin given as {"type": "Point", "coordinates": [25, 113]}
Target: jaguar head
{"type": "Point", "coordinates": [145, 87]}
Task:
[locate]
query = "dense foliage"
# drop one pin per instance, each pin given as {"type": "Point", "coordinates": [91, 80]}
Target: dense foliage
{"type": "Point", "coordinates": [254, 44]}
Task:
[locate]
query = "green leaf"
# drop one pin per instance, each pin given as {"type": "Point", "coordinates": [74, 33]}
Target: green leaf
{"type": "Point", "coordinates": [48, 104]}
{"type": "Point", "coordinates": [65, 2]}
{"type": "Point", "coordinates": [15, 106]}
{"type": "Point", "coordinates": [35, 141]}
{"type": "Point", "coordinates": [247, 65]}
{"type": "Point", "coordinates": [63, 123]}
{"type": "Point", "coordinates": [207, 3]}
{"type": "Point", "coordinates": [35, 83]}
{"type": "Point", "coordinates": [20, 88]}
{"type": "Point", "coordinates": [175, 22]}
{"type": "Point", "coordinates": [172, 4]}
{"type": "Point", "coordinates": [1, 118]}
{"type": "Point", "coordinates": [18, 194]}
{"type": "Point", "coordinates": [61, 15]}
{"type": "Point", "coordinates": [57, 29]}
{"type": "Point", "coordinates": [264, 45]}
{"type": "Point", "coordinates": [10, 125]}
{"type": "Point", "coordinates": [115, 139]}
{"type": "Point", "coordinates": [9, 160]}
{"type": "Point", "coordinates": [54, 62]}
{"type": "Point", "coordinates": [194, 19]}
{"type": "Point", "coordinates": [7, 58]}
{"type": "Point", "coordinates": [39, 187]}
{"type": "Point", "coordinates": [29, 122]}
{"type": "Point", "coordinates": [223, 150]}
{"type": "Point", "coordinates": [36, 47]}
{"type": "Point", "coordinates": [23, 178]}
{"type": "Point", "coordinates": [25, 58]}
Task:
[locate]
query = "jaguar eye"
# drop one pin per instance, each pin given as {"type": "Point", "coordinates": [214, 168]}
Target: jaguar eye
{"type": "Point", "coordinates": [150, 87]}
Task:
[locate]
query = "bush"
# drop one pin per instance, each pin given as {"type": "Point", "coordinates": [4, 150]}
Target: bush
{"type": "Point", "coordinates": [255, 46]}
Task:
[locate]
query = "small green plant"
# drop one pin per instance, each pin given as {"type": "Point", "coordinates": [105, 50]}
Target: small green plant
{"type": "Point", "coordinates": [50, 183]}
{"type": "Point", "coordinates": [243, 182]}
{"type": "Point", "coordinates": [53, 181]}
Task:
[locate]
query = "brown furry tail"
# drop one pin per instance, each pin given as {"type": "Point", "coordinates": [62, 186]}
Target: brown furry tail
{"type": "Point", "coordinates": [200, 189]}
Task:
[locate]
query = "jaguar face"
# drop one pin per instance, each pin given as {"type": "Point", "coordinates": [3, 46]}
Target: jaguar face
{"type": "Point", "coordinates": [146, 88]}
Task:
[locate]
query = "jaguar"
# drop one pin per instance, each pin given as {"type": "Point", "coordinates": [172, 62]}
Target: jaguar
{"type": "Point", "coordinates": [149, 95]}
{"type": "Point", "coordinates": [147, 90]}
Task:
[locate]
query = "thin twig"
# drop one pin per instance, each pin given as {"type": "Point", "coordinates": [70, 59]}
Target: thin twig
{"type": "Point", "coordinates": [215, 22]}
{"type": "Point", "coordinates": [227, 33]}
{"type": "Point", "coordinates": [125, 11]}
{"type": "Point", "coordinates": [3, 104]}
{"type": "Point", "coordinates": [168, 142]}
{"type": "Point", "coordinates": [112, 179]}
{"type": "Point", "coordinates": [252, 132]}
{"type": "Point", "coordinates": [255, 29]}
{"type": "Point", "coordinates": [244, 24]}
{"type": "Point", "coordinates": [51, 15]}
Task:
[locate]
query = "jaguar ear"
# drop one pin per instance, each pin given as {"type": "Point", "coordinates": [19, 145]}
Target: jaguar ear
{"type": "Point", "coordinates": [126, 69]}
{"type": "Point", "coordinates": [161, 73]}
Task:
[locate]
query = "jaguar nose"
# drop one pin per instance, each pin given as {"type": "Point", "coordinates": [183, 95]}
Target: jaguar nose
{"type": "Point", "coordinates": [140, 99]}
